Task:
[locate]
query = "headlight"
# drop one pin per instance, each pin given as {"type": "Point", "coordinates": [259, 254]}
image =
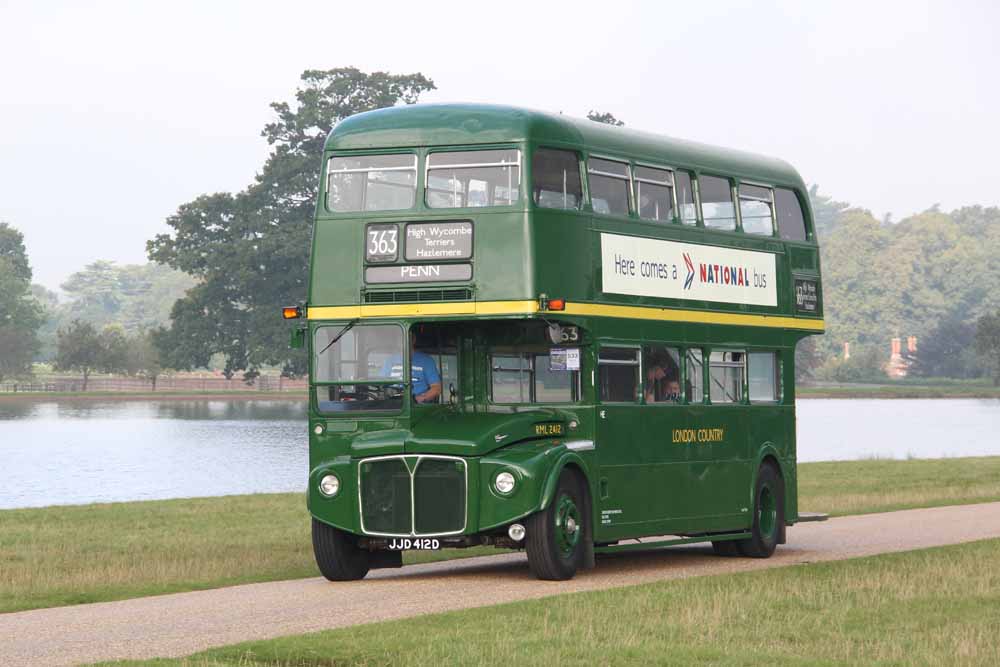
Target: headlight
{"type": "Point", "coordinates": [504, 483]}
{"type": "Point", "coordinates": [329, 485]}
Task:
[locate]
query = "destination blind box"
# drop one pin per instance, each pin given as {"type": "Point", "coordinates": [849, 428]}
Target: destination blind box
{"type": "Point", "coordinates": [431, 252]}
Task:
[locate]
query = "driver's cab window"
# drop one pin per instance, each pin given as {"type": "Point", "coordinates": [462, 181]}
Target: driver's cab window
{"type": "Point", "coordinates": [353, 367]}
{"type": "Point", "coordinates": [435, 353]}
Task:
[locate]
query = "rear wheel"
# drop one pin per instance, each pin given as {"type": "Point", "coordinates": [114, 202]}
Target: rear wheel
{"type": "Point", "coordinates": [337, 553]}
{"type": "Point", "coordinates": [555, 536]}
{"type": "Point", "coordinates": [768, 514]}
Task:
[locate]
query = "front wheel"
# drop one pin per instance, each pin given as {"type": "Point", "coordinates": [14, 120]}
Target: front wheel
{"type": "Point", "coordinates": [555, 536]}
{"type": "Point", "coordinates": [337, 553]}
{"type": "Point", "coordinates": [768, 514]}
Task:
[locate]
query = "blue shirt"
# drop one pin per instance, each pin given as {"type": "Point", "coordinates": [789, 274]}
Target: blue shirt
{"type": "Point", "coordinates": [423, 371]}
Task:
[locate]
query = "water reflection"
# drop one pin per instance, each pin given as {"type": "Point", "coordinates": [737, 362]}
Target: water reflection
{"type": "Point", "coordinates": [96, 451]}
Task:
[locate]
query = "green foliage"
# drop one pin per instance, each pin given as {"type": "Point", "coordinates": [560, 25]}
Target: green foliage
{"type": "Point", "coordinates": [604, 117]}
{"type": "Point", "coordinates": [79, 349]}
{"type": "Point", "coordinates": [83, 350]}
{"type": "Point", "coordinates": [137, 297]}
{"type": "Point", "coordinates": [866, 364]}
{"type": "Point", "coordinates": [826, 211]}
{"type": "Point", "coordinates": [250, 250]}
{"type": "Point", "coordinates": [988, 342]}
{"type": "Point", "coordinates": [925, 276]}
{"type": "Point", "coordinates": [948, 350]}
{"type": "Point", "coordinates": [20, 313]}
{"type": "Point", "coordinates": [142, 358]}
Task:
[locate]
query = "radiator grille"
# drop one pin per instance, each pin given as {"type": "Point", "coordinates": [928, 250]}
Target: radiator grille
{"type": "Point", "coordinates": [433, 496]}
{"type": "Point", "coordinates": [385, 497]}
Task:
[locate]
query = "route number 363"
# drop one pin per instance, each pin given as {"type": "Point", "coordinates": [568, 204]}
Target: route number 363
{"type": "Point", "coordinates": [382, 243]}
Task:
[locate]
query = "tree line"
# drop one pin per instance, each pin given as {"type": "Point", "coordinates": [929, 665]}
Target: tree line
{"type": "Point", "coordinates": [230, 260]}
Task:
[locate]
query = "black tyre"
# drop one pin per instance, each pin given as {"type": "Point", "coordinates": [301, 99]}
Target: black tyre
{"type": "Point", "coordinates": [555, 540]}
{"type": "Point", "coordinates": [337, 553]}
{"type": "Point", "coordinates": [726, 548]}
{"type": "Point", "coordinates": [768, 514]}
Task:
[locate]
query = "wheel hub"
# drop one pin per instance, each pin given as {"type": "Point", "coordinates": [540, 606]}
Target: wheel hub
{"type": "Point", "coordinates": [567, 520]}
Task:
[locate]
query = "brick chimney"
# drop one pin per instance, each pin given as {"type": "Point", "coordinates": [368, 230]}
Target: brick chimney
{"type": "Point", "coordinates": [911, 344]}
{"type": "Point", "coordinates": [897, 348]}
{"type": "Point", "coordinates": [847, 351]}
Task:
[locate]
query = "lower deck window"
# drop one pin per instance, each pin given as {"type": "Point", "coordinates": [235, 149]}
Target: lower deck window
{"type": "Point", "coordinates": [662, 374]}
{"type": "Point", "coordinates": [527, 377]}
{"type": "Point", "coordinates": [763, 378]}
{"type": "Point", "coordinates": [695, 381]}
{"type": "Point", "coordinates": [618, 370]}
{"type": "Point", "coordinates": [726, 368]}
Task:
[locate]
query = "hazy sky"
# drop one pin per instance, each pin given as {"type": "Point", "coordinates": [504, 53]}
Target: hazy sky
{"type": "Point", "coordinates": [114, 113]}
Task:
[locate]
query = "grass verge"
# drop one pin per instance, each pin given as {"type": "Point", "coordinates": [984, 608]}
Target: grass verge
{"type": "Point", "coordinates": [75, 554]}
{"type": "Point", "coordinates": [930, 607]}
{"type": "Point", "coordinates": [886, 485]}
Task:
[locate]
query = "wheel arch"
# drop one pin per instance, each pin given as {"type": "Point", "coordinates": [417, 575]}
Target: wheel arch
{"type": "Point", "coordinates": [571, 461]}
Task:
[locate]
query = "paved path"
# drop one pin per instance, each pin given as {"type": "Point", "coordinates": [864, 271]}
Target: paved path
{"type": "Point", "coordinates": [183, 623]}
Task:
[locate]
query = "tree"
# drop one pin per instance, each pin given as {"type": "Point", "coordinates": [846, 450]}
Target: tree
{"type": "Point", "coordinates": [20, 314]}
{"type": "Point", "coordinates": [79, 349]}
{"type": "Point", "coordinates": [988, 342]}
{"type": "Point", "coordinates": [604, 117]}
{"type": "Point", "coordinates": [114, 346]}
{"type": "Point", "coordinates": [143, 358]}
{"type": "Point", "coordinates": [826, 211]}
{"type": "Point", "coordinates": [947, 351]}
{"type": "Point", "coordinates": [250, 250]}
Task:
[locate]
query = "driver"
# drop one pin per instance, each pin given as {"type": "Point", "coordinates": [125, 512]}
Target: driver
{"type": "Point", "coordinates": [425, 380]}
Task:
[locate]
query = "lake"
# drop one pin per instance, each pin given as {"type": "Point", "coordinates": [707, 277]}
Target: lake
{"type": "Point", "coordinates": [69, 452]}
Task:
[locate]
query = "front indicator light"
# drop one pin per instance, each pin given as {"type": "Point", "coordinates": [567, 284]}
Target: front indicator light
{"type": "Point", "coordinates": [504, 483]}
{"type": "Point", "coordinates": [329, 485]}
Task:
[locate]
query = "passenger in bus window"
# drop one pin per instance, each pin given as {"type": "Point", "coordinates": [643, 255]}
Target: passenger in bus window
{"type": "Point", "coordinates": [672, 391]}
{"type": "Point", "coordinates": [654, 374]}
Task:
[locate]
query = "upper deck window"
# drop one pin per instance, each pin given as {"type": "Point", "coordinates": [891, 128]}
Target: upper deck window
{"type": "Point", "coordinates": [654, 193]}
{"type": "Point", "coordinates": [755, 209]}
{"type": "Point", "coordinates": [717, 202]}
{"type": "Point", "coordinates": [371, 182]}
{"type": "Point", "coordinates": [791, 225]}
{"type": "Point", "coordinates": [555, 179]}
{"type": "Point", "coordinates": [460, 179]}
{"type": "Point", "coordinates": [609, 186]}
{"type": "Point", "coordinates": [685, 198]}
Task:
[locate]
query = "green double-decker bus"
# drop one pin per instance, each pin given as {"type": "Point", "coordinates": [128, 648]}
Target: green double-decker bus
{"type": "Point", "coordinates": [531, 331]}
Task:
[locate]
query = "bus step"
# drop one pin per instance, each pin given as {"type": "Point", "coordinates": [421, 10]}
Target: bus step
{"type": "Point", "coordinates": [812, 516]}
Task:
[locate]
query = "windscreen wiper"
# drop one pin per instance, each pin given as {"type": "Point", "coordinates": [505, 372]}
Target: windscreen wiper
{"type": "Point", "coordinates": [340, 334]}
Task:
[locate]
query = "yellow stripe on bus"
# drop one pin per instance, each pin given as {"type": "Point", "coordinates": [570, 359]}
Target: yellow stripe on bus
{"type": "Point", "coordinates": [572, 308]}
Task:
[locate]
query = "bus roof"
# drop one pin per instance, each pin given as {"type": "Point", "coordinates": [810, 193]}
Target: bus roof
{"type": "Point", "coordinates": [467, 124]}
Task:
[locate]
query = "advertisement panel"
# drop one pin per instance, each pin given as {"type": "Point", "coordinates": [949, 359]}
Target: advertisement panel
{"type": "Point", "coordinates": [673, 270]}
